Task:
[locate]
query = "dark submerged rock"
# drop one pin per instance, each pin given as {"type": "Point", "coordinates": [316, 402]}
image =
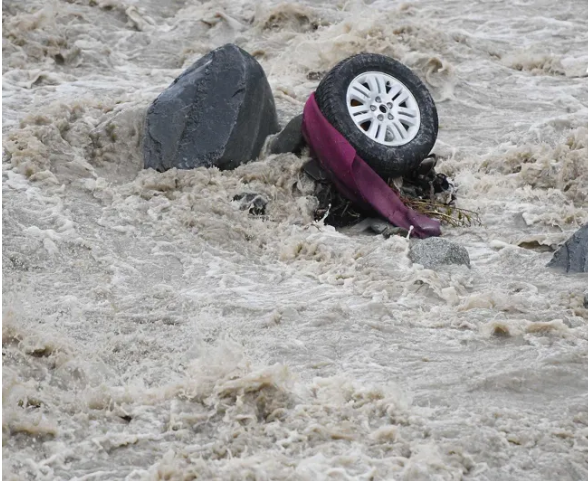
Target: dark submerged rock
{"type": "Point", "coordinates": [289, 139]}
{"type": "Point", "coordinates": [435, 251]}
{"type": "Point", "coordinates": [217, 113]}
{"type": "Point", "coordinates": [573, 255]}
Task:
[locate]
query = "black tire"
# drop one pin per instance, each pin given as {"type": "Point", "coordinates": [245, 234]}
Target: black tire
{"type": "Point", "coordinates": [388, 161]}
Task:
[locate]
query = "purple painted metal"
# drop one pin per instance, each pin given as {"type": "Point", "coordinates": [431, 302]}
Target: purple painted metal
{"type": "Point", "coordinates": [355, 179]}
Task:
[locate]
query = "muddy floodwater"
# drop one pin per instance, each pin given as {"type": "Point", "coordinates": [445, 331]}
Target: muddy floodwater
{"type": "Point", "coordinates": [152, 330]}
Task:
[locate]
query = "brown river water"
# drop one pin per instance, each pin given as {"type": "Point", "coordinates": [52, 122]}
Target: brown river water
{"type": "Point", "coordinates": [152, 330]}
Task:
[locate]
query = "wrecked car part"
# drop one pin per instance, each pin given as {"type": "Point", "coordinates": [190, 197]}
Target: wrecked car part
{"type": "Point", "coordinates": [217, 113]}
{"type": "Point", "coordinates": [354, 178]}
{"type": "Point", "coordinates": [383, 110]}
{"type": "Point", "coordinates": [336, 210]}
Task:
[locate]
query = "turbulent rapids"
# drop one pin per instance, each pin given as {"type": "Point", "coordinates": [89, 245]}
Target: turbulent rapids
{"type": "Point", "coordinates": [154, 330]}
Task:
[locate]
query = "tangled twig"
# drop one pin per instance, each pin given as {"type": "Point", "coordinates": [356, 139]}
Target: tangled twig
{"type": "Point", "coordinates": [437, 209]}
{"type": "Point", "coordinates": [454, 216]}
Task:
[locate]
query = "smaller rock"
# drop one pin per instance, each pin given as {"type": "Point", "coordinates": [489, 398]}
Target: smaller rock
{"type": "Point", "coordinates": [435, 251]}
{"type": "Point", "coordinates": [383, 227]}
{"type": "Point", "coordinates": [255, 204]}
{"type": "Point", "coordinates": [289, 139]}
{"type": "Point", "coordinates": [573, 255]}
{"type": "Point", "coordinates": [586, 300]}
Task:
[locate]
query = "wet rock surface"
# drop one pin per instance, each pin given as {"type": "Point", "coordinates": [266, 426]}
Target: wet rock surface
{"type": "Point", "coordinates": [289, 139]}
{"type": "Point", "coordinates": [435, 251]}
{"type": "Point", "coordinates": [573, 255]}
{"type": "Point", "coordinates": [217, 113]}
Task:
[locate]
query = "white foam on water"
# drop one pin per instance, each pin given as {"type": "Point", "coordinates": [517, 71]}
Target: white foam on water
{"type": "Point", "coordinates": [152, 330]}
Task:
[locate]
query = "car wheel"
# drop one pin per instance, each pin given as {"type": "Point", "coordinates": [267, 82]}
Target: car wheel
{"type": "Point", "coordinates": [383, 110]}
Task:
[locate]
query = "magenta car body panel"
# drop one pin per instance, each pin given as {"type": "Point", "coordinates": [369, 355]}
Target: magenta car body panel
{"type": "Point", "coordinates": [355, 179]}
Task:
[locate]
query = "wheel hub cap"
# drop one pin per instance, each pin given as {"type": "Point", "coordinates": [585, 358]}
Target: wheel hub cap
{"type": "Point", "coordinates": [383, 108]}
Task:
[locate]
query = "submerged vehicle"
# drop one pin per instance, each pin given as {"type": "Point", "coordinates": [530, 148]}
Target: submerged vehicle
{"type": "Point", "coordinates": [372, 119]}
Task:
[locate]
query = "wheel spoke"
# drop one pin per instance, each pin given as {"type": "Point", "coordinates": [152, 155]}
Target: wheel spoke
{"type": "Point", "coordinates": [381, 84]}
{"type": "Point", "coordinates": [373, 129]}
{"type": "Point", "coordinates": [360, 119]}
{"type": "Point", "coordinates": [406, 120]}
{"type": "Point", "coordinates": [358, 96]}
{"type": "Point", "coordinates": [410, 121]}
{"type": "Point", "coordinates": [361, 90]}
{"type": "Point", "coordinates": [406, 112]}
{"type": "Point", "coordinates": [403, 97]}
{"type": "Point", "coordinates": [381, 136]}
{"type": "Point", "coordinates": [395, 90]}
{"type": "Point", "coordinates": [399, 129]}
{"type": "Point", "coordinates": [358, 109]}
{"type": "Point", "coordinates": [373, 83]}
{"type": "Point", "coordinates": [406, 116]}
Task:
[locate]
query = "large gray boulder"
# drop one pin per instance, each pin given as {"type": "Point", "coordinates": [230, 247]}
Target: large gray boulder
{"type": "Point", "coordinates": [573, 255]}
{"type": "Point", "coordinates": [434, 251]}
{"type": "Point", "coordinates": [217, 113]}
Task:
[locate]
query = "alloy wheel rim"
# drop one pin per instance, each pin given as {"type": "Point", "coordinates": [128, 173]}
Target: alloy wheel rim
{"type": "Point", "coordinates": [383, 108]}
